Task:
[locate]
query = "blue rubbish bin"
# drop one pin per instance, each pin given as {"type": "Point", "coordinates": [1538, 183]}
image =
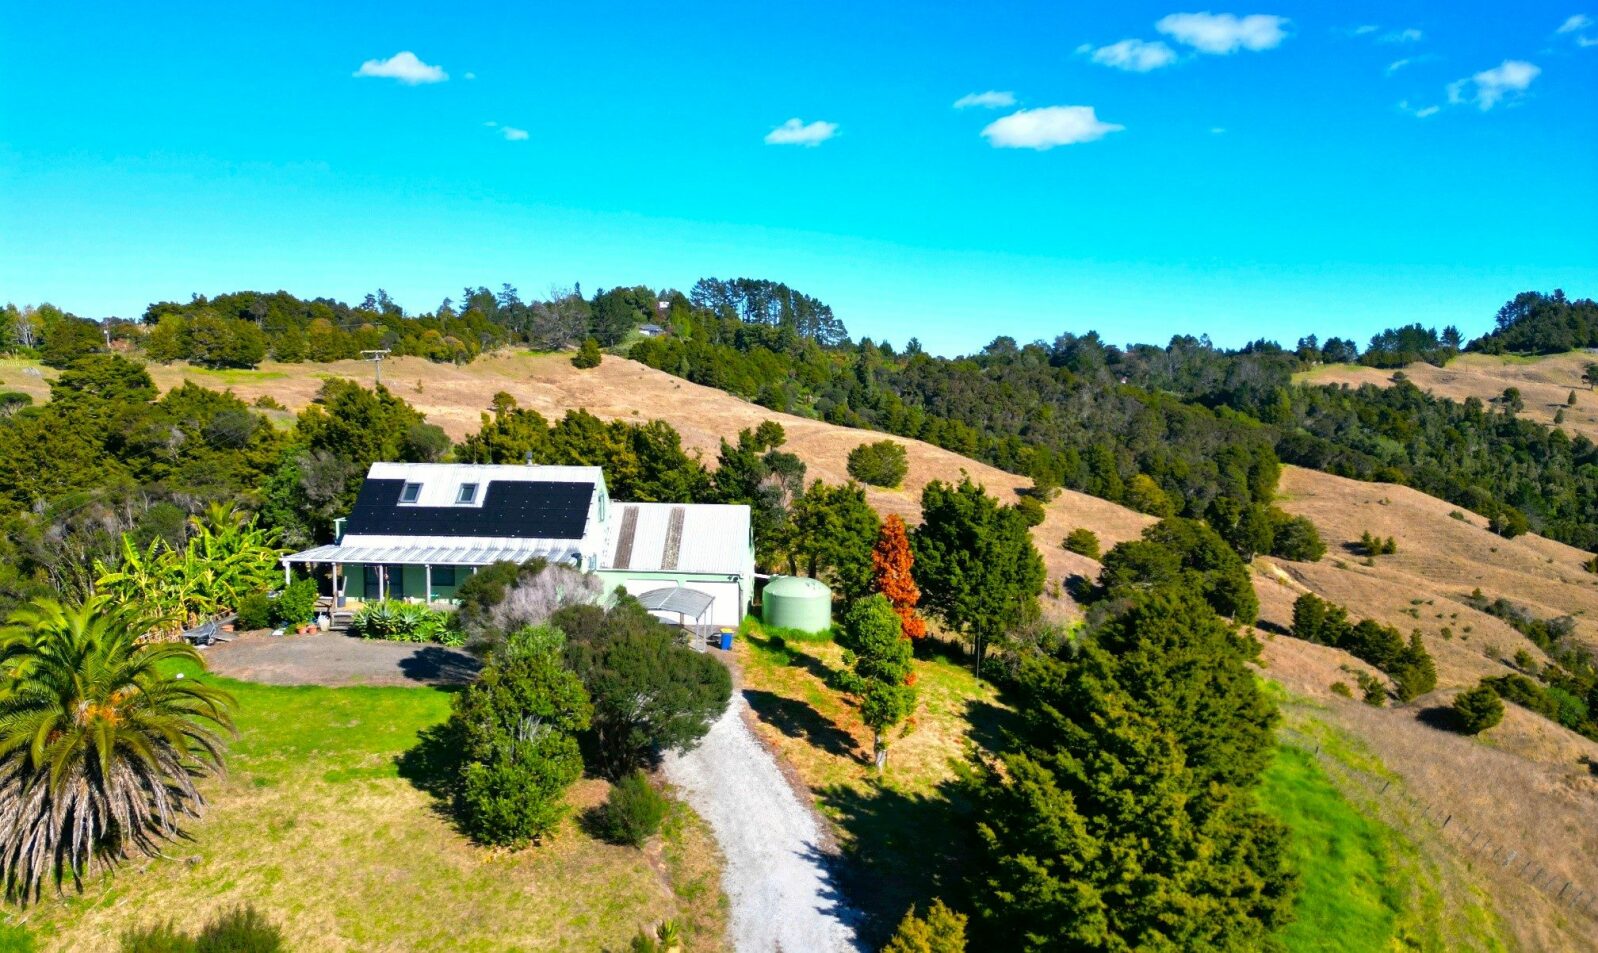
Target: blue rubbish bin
{"type": "Point", "coordinates": [726, 640]}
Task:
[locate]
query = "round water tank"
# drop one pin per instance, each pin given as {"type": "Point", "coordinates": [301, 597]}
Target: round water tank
{"type": "Point", "coordinates": [797, 602]}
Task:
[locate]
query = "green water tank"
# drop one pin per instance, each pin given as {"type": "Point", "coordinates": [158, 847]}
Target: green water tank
{"type": "Point", "coordinates": [797, 602]}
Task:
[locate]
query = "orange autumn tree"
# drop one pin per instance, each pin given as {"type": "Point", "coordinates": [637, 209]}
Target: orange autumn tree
{"type": "Point", "coordinates": [891, 562]}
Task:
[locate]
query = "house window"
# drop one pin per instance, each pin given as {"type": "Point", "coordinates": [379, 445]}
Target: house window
{"type": "Point", "coordinates": [466, 494]}
{"type": "Point", "coordinates": [444, 576]}
{"type": "Point", "coordinates": [409, 492]}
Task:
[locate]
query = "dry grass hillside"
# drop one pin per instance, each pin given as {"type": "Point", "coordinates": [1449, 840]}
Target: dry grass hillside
{"type": "Point", "coordinates": [1527, 780]}
{"type": "Point", "coordinates": [456, 397]}
{"type": "Point", "coordinates": [1545, 383]}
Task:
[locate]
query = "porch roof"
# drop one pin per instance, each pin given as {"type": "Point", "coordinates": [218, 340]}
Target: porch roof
{"type": "Point", "coordinates": [463, 553]}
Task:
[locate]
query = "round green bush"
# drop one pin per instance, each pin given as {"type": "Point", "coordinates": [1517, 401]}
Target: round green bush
{"type": "Point", "coordinates": [296, 603]}
{"type": "Point", "coordinates": [633, 812]}
{"type": "Point", "coordinates": [1083, 542]}
{"type": "Point", "coordinates": [1477, 709]}
{"type": "Point", "coordinates": [883, 463]}
{"type": "Point", "coordinates": [255, 612]}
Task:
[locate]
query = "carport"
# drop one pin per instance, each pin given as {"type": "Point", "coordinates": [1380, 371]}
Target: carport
{"type": "Point", "coordinates": [686, 603]}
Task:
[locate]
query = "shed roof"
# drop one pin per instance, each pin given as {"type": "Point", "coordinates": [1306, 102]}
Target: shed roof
{"type": "Point", "coordinates": [673, 537]}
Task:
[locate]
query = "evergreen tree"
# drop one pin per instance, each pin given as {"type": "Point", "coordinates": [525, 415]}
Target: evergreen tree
{"type": "Point", "coordinates": [975, 563]}
{"type": "Point", "coordinates": [941, 931]}
{"type": "Point", "coordinates": [880, 655]}
{"type": "Point", "coordinates": [1123, 816]}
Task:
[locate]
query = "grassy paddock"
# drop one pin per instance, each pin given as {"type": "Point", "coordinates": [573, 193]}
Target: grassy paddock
{"type": "Point", "coordinates": [316, 827]}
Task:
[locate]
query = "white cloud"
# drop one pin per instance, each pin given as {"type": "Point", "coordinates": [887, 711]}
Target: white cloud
{"type": "Point", "coordinates": [471, 75]}
{"type": "Point", "coordinates": [1047, 127]}
{"type": "Point", "coordinates": [1422, 112]}
{"type": "Point", "coordinates": [1410, 35]}
{"type": "Point", "coordinates": [405, 67]}
{"type": "Point", "coordinates": [1217, 130]}
{"type": "Point", "coordinates": [1135, 56]}
{"type": "Point", "coordinates": [1365, 29]}
{"type": "Point", "coordinates": [513, 134]}
{"type": "Point", "coordinates": [992, 99]}
{"type": "Point", "coordinates": [1491, 86]}
{"type": "Point", "coordinates": [1397, 65]}
{"type": "Point", "coordinates": [1580, 21]}
{"type": "Point", "coordinates": [797, 132]}
{"type": "Point", "coordinates": [1224, 32]}
{"type": "Point", "coordinates": [1586, 41]}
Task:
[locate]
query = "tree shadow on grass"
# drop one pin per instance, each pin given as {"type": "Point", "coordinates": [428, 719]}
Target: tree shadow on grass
{"type": "Point", "coordinates": [903, 849]}
{"type": "Point", "coordinates": [800, 720]}
{"type": "Point", "coordinates": [1441, 717]}
{"type": "Point", "coordinates": [434, 766]}
{"type": "Point", "coordinates": [776, 647]}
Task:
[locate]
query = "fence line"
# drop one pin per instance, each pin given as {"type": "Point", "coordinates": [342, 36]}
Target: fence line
{"type": "Point", "coordinates": [1557, 888]}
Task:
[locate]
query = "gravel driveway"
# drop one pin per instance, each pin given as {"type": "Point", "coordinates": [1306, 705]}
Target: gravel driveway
{"type": "Point", "coordinates": [333, 658]}
{"type": "Point", "coordinates": [782, 894]}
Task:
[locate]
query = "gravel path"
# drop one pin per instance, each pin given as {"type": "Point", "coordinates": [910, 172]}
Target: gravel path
{"type": "Point", "coordinates": [332, 658]}
{"type": "Point", "coordinates": [776, 877]}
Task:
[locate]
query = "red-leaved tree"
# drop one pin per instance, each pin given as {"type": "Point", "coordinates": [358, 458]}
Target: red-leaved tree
{"type": "Point", "coordinates": [891, 562]}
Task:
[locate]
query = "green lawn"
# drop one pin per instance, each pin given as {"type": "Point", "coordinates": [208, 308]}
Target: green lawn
{"type": "Point", "coordinates": [315, 825]}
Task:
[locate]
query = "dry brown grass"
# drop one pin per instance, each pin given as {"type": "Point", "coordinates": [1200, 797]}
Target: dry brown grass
{"type": "Point", "coordinates": [1545, 383]}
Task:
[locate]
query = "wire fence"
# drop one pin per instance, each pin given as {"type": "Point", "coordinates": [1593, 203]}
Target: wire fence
{"type": "Point", "coordinates": [1389, 797]}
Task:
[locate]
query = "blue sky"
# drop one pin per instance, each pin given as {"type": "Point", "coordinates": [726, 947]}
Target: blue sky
{"type": "Point", "coordinates": [1143, 170]}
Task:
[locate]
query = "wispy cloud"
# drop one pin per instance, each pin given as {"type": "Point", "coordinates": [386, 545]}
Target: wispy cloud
{"type": "Point", "coordinates": [992, 99]}
{"type": "Point", "coordinates": [404, 66]}
{"type": "Point", "coordinates": [511, 133]}
{"type": "Point", "coordinates": [1580, 21]}
{"type": "Point", "coordinates": [797, 132]}
{"type": "Point", "coordinates": [1222, 33]}
{"type": "Point", "coordinates": [1397, 65]}
{"type": "Point", "coordinates": [471, 75]}
{"type": "Point", "coordinates": [1364, 29]}
{"type": "Point", "coordinates": [1421, 112]}
{"type": "Point", "coordinates": [1410, 35]}
{"type": "Point", "coordinates": [1134, 56]}
{"type": "Point", "coordinates": [1047, 127]}
{"type": "Point", "coordinates": [1492, 86]}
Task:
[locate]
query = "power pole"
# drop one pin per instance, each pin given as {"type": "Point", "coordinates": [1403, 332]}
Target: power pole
{"type": "Point", "coordinates": [376, 359]}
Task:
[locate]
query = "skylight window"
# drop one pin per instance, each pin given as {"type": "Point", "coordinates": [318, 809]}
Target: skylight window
{"type": "Point", "coordinates": [466, 494]}
{"type": "Point", "coordinates": [409, 492]}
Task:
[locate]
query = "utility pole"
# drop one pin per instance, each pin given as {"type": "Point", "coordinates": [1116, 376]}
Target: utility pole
{"type": "Point", "coordinates": [376, 358]}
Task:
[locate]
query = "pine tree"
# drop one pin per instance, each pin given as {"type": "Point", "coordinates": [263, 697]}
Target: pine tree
{"type": "Point", "coordinates": [880, 656]}
{"type": "Point", "coordinates": [891, 565]}
{"type": "Point", "coordinates": [941, 931]}
{"type": "Point", "coordinates": [1125, 817]}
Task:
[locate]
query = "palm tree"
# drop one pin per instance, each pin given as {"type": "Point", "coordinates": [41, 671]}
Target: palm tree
{"type": "Point", "coordinates": [100, 748]}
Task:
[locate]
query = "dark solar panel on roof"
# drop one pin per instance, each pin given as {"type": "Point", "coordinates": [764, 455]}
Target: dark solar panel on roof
{"type": "Point", "coordinates": [513, 509]}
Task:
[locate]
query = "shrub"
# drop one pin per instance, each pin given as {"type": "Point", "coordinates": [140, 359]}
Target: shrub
{"type": "Point", "coordinates": [633, 811]}
{"type": "Point", "coordinates": [517, 727]}
{"type": "Point", "coordinates": [403, 622]}
{"type": "Point", "coordinates": [1083, 542]}
{"type": "Point", "coordinates": [650, 693]}
{"type": "Point", "coordinates": [1477, 709]}
{"type": "Point", "coordinates": [1342, 689]}
{"type": "Point", "coordinates": [941, 931]}
{"type": "Point", "coordinates": [1372, 691]}
{"type": "Point", "coordinates": [883, 463]}
{"type": "Point", "coordinates": [255, 612]}
{"type": "Point", "coordinates": [588, 355]}
{"type": "Point", "coordinates": [296, 603]}
{"type": "Point", "coordinates": [1377, 546]}
{"type": "Point", "coordinates": [1295, 538]}
{"type": "Point", "coordinates": [1032, 512]}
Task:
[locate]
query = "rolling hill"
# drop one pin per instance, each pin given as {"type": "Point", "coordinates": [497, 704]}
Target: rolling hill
{"type": "Point", "coordinates": [1528, 780]}
{"type": "Point", "coordinates": [1545, 383]}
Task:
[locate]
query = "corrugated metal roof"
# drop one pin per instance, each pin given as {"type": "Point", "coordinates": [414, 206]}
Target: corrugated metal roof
{"type": "Point", "coordinates": [704, 537]}
{"type": "Point", "coordinates": [411, 552]}
{"type": "Point", "coordinates": [681, 599]}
